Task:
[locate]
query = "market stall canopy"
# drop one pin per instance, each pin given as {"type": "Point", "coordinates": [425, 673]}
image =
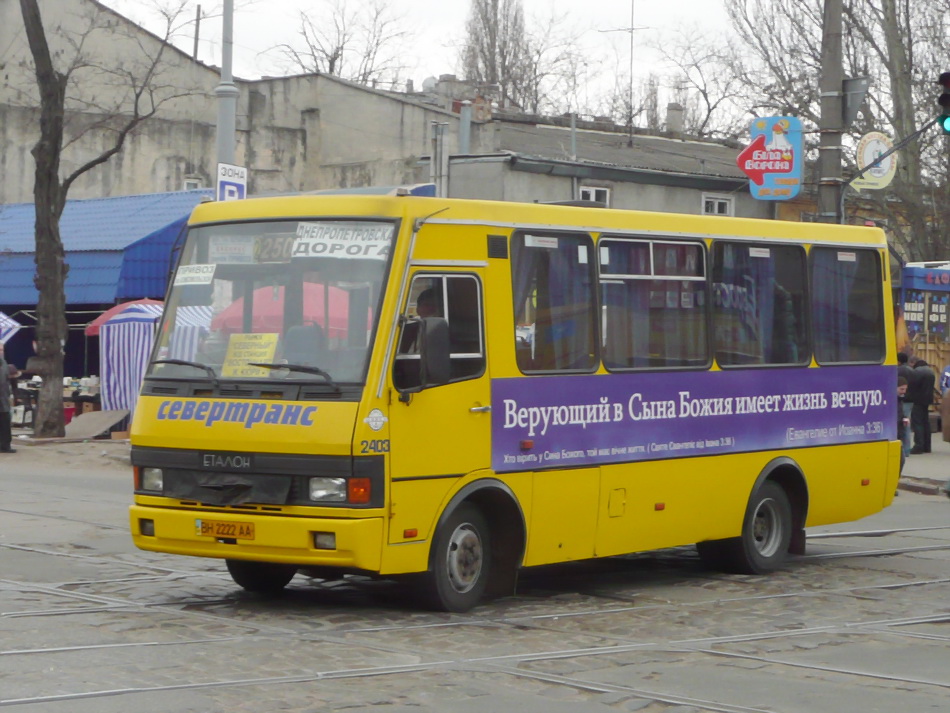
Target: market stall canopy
{"type": "Point", "coordinates": [118, 248]}
{"type": "Point", "coordinates": [8, 327]}
{"type": "Point", "coordinates": [92, 329]}
{"type": "Point", "coordinates": [268, 312]}
{"type": "Point", "coordinates": [126, 339]}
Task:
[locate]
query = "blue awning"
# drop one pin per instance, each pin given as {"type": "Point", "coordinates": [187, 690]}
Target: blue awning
{"type": "Point", "coordinates": [116, 248]}
{"type": "Point", "coordinates": [91, 278]}
{"type": "Point", "coordinates": [146, 263]}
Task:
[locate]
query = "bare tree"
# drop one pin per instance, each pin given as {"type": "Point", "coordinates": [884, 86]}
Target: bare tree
{"type": "Point", "coordinates": [780, 59]}
{"type": "Point", "coordinates": [897, 43]}
{"type": "Point", "coordinates": [552, 63]}
{"type": "Point", "coordinates": [363, 45]}
{"type": "Point", "coordinates": [71, 88]}
{"type": "Point", "coordinates": [904, 46]}
{"type": "Point", "coordinates": [496, 50]}
{"type": "Point", "coordinates": [703, 82]}
{"type": "Point", "coordinates": [632, 106]}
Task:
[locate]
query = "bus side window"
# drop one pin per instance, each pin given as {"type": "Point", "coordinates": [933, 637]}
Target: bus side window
{"type": "Point", "coordinates": [465, 327]}
{"type": "Point", "coordinates": [554, 302]}
{"type": "Point", "coordinates": [654, 311]}
{"type": "Point", "coordinates": [847, 305]}
{"type": "Point", "coordinates": [759, 314]}
{"type": "Point", "coordinates": [457, 299]}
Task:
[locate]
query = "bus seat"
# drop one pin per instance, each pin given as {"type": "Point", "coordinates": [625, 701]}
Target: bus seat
{"type": "Point", "coordinates": [303, 344]}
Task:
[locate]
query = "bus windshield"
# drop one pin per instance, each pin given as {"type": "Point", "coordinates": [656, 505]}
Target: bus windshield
{"type": "Point", "coordinates": [284, 300]}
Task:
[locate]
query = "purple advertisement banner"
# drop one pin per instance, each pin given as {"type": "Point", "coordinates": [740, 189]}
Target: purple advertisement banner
{"type": "Point", "coordinates": [567, 421]}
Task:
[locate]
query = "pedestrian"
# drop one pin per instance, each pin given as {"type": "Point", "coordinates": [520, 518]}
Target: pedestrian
{"type": "Point", "coordinates": [902, 421]}
{"type": "Point", "coordinates": [920, 392]}
{"type": "Point", "coordinates": [907, 372]}
{"type": "Point", "coordinates": [7, 372]}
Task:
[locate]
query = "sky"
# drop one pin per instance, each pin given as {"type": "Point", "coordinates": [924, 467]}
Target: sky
{"type": "Point", "coordinates": [260, 25]}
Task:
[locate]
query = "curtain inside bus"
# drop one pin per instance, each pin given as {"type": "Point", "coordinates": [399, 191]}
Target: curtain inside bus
{"type": "Point", "coordinates": [553, 292]}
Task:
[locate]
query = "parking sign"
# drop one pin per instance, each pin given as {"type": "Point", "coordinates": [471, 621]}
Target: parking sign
{"type": "Point", "coordinates": [232, 182]}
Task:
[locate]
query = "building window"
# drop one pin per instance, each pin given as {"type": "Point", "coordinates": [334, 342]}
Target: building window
{"type": "Point", "coordinates": [598, 195]}
{"type": "Point", "coordinates": [717, 205]}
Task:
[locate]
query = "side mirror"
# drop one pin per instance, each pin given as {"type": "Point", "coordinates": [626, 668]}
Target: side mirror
{"type": "Point", "coordinates": [435, 367]}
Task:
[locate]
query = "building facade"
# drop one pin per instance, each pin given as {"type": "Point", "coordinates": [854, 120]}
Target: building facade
{"type": "Point", "coordinates": [313, 132]}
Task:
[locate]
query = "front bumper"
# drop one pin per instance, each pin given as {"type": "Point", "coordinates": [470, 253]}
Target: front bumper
{"type": "Point", "coordinates": [288, 540]}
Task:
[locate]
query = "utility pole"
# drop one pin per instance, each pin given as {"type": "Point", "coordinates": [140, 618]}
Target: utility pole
{"type": "Point", "coordinates": [831, 126]}
{"type": "Point", "coordinates": [226, 91]}
{"type": "Point", "coordinates": [630, 89]}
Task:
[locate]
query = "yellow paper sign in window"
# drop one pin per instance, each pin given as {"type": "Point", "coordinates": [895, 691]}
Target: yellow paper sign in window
{"type": "Point", "coordinates": [244, 348]}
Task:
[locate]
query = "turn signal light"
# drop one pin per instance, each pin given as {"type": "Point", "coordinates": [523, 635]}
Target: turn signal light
{"type": "Point", "coordinates": [358, 490]}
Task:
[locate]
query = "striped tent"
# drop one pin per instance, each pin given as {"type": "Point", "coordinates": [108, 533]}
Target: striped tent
{"type": "Point", "coordinates": [192, 324]}
{"type": "Point", "coordinates": [125, 344]}
{"type": "Point", "coordinates": [8, 327]}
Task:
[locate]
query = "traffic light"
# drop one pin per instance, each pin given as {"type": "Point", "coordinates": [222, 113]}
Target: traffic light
{"type": "Point", "coordinates": [944, 101]}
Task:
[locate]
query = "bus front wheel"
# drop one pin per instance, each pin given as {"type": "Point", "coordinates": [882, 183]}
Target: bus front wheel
{"type": "Point", "coordinates": [261, 577]}
{"type": "Point", "coordinates": [766, 533]}
{"type": "Point", "coordinates": [460, 562]}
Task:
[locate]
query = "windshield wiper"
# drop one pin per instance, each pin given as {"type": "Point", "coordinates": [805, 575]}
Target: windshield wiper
{"type": "Point", "coordinates": [304, 368]}
{"type": "Point", "coordinates": [196, 364]}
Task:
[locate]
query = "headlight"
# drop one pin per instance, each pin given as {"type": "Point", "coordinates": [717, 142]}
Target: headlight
{"type": "Point", "coordinates": [152, 479]}
{"type": "Point", "coordinates": [328, 490]}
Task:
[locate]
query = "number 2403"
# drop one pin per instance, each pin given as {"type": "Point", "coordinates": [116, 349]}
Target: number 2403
{"type": "Point", "coordinates": [381, 446]}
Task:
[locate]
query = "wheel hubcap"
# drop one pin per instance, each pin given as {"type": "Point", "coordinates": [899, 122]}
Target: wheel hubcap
{"type": "Point", "coordinates": [767, 528]}
{"type": "Point", "coordinates": [464, 558]}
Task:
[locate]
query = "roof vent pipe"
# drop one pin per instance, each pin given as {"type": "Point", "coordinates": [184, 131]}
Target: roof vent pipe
{"type": "Point", "coordinates": [674, 119]}
{"type": "Point", "coordinates": [465, 128]}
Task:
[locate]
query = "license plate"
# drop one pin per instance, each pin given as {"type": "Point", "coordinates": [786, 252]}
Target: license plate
{"type": "Point", "coordinates": [225, 529]}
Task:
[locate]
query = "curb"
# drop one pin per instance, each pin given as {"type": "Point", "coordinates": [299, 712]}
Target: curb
{"type": "Point", "coordinates": [924, 486]}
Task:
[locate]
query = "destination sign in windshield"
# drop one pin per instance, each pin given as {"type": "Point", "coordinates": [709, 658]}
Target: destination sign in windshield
{"type": "Point", "coordinates": [366, 241]}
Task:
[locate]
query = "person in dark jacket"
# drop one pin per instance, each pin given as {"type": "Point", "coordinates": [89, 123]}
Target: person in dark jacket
{"type": "Point", "coordinates": [920, 393]}
{"type": "Point", "coordinates": [902, 420]}
{"type": "Point", "coordinates": [7, 372]}
{"type": "Point", "coordinates": [905, 371]}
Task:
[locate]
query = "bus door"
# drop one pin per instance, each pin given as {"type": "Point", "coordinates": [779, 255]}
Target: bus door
{"type": "Point", "coordinates": [439, 433]}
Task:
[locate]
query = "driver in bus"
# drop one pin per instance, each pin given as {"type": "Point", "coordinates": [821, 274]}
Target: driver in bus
{"type": "Point", "coordinates": [427, 305]}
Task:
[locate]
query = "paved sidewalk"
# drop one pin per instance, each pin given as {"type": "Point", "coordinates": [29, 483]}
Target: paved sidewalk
{"type": "Point", "coordinates": [928, 473]}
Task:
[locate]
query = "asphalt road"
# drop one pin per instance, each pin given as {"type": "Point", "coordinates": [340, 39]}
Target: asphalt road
{"type": "Point", "coordinates": [88, 623]}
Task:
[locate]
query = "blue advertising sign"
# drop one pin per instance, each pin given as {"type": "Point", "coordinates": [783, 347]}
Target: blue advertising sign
{"type": "Point", "coordinates": [564, 421]}
{"type": "Point", "coordinates": [773, 161]}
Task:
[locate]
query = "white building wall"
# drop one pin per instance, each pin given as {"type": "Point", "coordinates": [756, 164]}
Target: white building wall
{"type": "Point", "coordinates": [294, 134]}
{"type": "Point", "coordinates": [493, 179]}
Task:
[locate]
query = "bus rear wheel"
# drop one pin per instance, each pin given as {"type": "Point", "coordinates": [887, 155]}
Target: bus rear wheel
{"type": "Point", "coordinates": [261, 577]}
{"type": "Point", "coordinates": [460, 562]}
{"type": "Point", "coordinates": [766, 533]}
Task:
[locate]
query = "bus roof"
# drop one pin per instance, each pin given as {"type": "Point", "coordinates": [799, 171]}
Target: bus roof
{"type": "Point", "coordinates": [530, 216]}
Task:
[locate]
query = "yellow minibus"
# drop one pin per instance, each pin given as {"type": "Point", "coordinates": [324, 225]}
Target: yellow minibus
{"type": "Point", "coordinates": [452, 390]}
